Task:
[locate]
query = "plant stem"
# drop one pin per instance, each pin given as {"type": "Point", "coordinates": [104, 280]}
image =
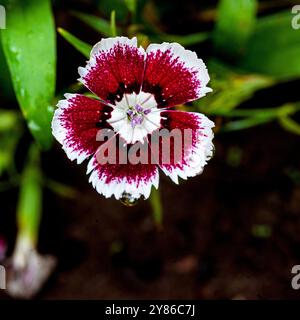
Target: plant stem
{"type": "Point", "coordinates": [113, 23]}
{"type": "Point", "coordinates": [30, 198]}
{"type": "Point", "coordinates": [156, 205]}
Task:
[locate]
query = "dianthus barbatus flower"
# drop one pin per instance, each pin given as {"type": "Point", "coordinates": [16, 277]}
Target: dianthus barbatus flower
{"type": "Point", "coordinates": [136, 90]}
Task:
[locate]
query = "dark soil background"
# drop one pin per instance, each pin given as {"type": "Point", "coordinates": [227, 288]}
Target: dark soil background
{"type": "Point", "coordinates": [208, 247]}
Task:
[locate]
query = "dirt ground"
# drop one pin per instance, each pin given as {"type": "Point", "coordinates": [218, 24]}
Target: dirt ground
{"type": "Point", "coordinates": [206, 250]}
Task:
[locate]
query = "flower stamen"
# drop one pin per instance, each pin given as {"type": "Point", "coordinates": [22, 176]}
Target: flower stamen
{"type": "Point", "coordinates": [136, 114]}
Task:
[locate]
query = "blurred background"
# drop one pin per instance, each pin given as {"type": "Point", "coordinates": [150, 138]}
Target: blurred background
{"type": "Point", "coordinates": [230, 233]}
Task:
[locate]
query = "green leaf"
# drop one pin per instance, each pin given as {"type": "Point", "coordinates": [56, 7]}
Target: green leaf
{"type": "Point", "coordinates": [29, 45]}
{"type": "Point", "coordinates": [274, 48]}
{"type": "Point", "coordinates": [260, 116]}
{"type": "Point", "coordinates": [234, 25]}
{"type": "Point", "coordinates": [6, 88]}
{"type": "Point", "coordinates": [283, 111]}
{"type": "Point", "coordinates": [156, 35]}
{"type": "Point", "coordinates": [289, 124]}
{"type": "Point", "coordinates": [245, 123]}
{"type": "Point", "coordinates": [230, 88]}
{"type": "Point", "coordinates": [10, 132]}
{"type": "Point", "coordinates": [78, 44]}
{"type": "Point", "coordinates": [131, 5]}
{"type": "Point", "coordinates": [107, 6]}
{"type": "Point", "coordinates": [184, 40]}
{"type": "Point", "coordinates": [61, 189]}
{"type": "Point", "coordinates": [98, 24]}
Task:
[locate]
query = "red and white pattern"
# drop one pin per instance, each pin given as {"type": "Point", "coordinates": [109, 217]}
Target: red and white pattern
{"type": "Point", "coordinates": [136, 89]}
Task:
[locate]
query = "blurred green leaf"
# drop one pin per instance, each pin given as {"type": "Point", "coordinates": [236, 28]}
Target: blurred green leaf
{"type": "Point", "coordinates": [278, 112]}
{"type": "Point", "coordinates": [107, 6]}
{"type": "Point", "coordinates": [10, 133]}
{"type": "Point", "coordinates": [30, 197]}
{"type": "Point", "coordinates": [156, 35]}
{"type": "Point", "coordinates": [260, 116]}
{"type": "Point", "coordinates": [184, 40]}
{"type": "Point", "coordinates": [95, 22]}
{"type": "Point", "coordinates": [6, 88]}
{"type": "Point", "coordinates": [78, 44]}
{"type": "Point", "coordinates": [274, 48]}
{"type": "Point", "coordinates": [289, 124]}
{"type": "Point", "coordinates": [261, 231]}
{"type": "Point", "coordinates": [230, 88]}
{"type": "Point", "coordinates": [245, 123]}
{"type": "Point", "coordinates": [29, 44]}
{"type": "Point", "coordinates": [234, 25]}
{"type": "Point", "coordinates": [8, 120]}
{"type": "Point", "coordinates": [61, 189]}
{"type": "Point", "coordinates": [131, 5]}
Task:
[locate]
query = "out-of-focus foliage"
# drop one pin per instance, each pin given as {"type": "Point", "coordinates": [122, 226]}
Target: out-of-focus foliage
{"type": "Point", "coordinates": [107, 6]}
{"type": "Point", "coordinates": [125, 9]}
{"type": "Point", "coordinates": [97, 23]}
{"type": "Point", "coordinates": [274, 47]}
{"type": "Point", "coordinates": [31, 56]}
{"type": "Point", "coordinates": [230, 88]}
{"type": "Point", "coordinates": [290, 124]}
{"type": "Point", "coordinates": [6, 89]}
{"type": "Point", "coordinates": [10, 132]}
{"type": "Point", "coordinates": [234, 25]}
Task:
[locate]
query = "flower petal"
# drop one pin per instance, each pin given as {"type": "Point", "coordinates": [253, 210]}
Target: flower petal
{"type": "Point", "coordinates": [75, 125]}
{"type": "Point", "coordinates": [196, 147]}
{"type": "Point", "coordinates": [174, 75]}
{"type": "Point", "coordinates": [119, 180]}
{"type": "Point", "coordinates": [115, 67]}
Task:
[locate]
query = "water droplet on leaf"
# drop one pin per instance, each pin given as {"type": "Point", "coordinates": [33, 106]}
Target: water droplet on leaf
{"type": "Point", "coordinates": [128, 200]}
{"type": "Point", "coordinates": [34, 126]}
{"type": "Point", "coordinates": [13, 49]}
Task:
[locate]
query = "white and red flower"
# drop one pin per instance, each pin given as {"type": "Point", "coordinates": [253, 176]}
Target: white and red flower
{"type": "Point", "coordinates": [136, 91]}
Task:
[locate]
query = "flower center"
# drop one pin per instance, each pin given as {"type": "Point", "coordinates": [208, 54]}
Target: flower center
{"type": "Point", "coordinates": [136, 114]}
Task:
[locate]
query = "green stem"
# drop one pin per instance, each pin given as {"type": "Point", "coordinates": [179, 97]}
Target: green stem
{"type": "Point", "coordinates": [157, 209]}
{"type": "Point", "coordinates": [113, 23]}
{"type": "Point", "coordinates": [30, 198]}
